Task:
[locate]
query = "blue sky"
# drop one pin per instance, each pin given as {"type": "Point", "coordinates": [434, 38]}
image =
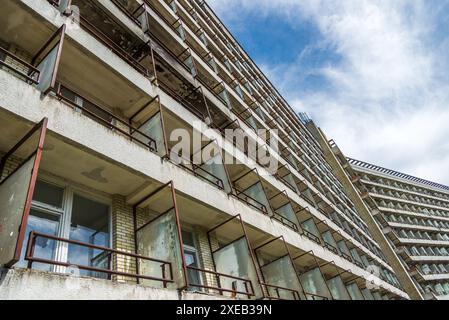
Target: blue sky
{"type": "Point", "coordinates": [372, 73]}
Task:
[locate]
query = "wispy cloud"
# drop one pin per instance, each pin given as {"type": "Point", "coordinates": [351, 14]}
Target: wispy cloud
{"type": "Point", "coordinates": [383, 91]}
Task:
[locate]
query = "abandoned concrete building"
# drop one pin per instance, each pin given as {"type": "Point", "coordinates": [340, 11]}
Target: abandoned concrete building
{"type": "Point", "coordinates": [98, 202]}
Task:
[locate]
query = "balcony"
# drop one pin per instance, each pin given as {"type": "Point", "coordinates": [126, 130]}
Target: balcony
{"type": "Point", "coordinates": [312, 279]}
{"type": "Point", "coordinates": [19, 67]}
{"type": "Point", "coordinates": [248, 187]}
{"type": "Point", "coordinates": [284, 210]}
{"type": "Point", "coordinates": [41, 156]}
{"type": "Point", "coordinates": [161, 218]}
{"type": "Point", "coordinates": [280, 281]}
{"type": "Point", "coordinates": [101, 264]}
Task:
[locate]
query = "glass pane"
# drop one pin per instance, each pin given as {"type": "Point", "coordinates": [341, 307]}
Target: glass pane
{"type": "Point", "coordinates": [354, 292]}
{"type": "Point", "coordinates": [13, 193]}
{"type": "Point", "coordinates": [367, 294]}
{"type": "Point", "coordinates": [48, 193]}
{"type": "Point", "coordinates": [257, 193]}
{"type": "Point", "coordinates": [327, 236]}
{"type": "Point", "coordinates": [63, 4]}
{"type": "Point", "coordinates": [235, 260]}
{"type": "Point", "coordinates": [343, 248]}
{"type": "Point", "coordinates": [356, 255]}
{"type": "Point", "coordinates": [153, 129]}
{"type": "Point", "coordinates": [310, 226]}
{"type": "Point", "coordinates": [251, 121]}
{"type": "Point", "coordinates": [45, 248]}
{"type": "Point", "coordinates": [288, 213]}
{"type": "Point", "coordinates": [313, 283]}
{"type": "Point", "coordinates": [216, 168]}
{"type": "Point", "coordinates": [187, 238]}
{"type": "Point", "coordinates": [193, 275]}
{"type": "Point", "coordinates": [90, 225]}
{"type": "Point", "coordinates": [282, 273]}
{"type": "Point", "coordinates": [159, 240]}
{"type": "Point", "coordinates": [377, 296]}
{"type": "Point", "coordinates": [46, 68]}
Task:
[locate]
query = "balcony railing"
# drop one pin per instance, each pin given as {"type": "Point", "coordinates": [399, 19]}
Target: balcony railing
{"type": "Point", "coordinates": [20, 67]}
{"type": "Point", "coordinates": [285, 221]}
{"type": "Point", "coordinates": [330, 247]}
{"type": "Point", "coordinates": [118, 50]}
{"type": "Point", "coordinates": [166, 266]}
{"type": "Point", "coordinates": [313, 296]}
{"type": "Point", "coordinates": [247, 284]}
{"type": "Point", "coordinates": [311, 236]}
{"type": "Point", "coordinates": [346, 256]}
{"type": "Point", "coordinates": [151, 144]}
{"type": "Point", "coordinates": [181, 100]}
{"type": "Point", "coordinates": [250, 201]}
{"type": "Point", "coordinates": [277, 290]}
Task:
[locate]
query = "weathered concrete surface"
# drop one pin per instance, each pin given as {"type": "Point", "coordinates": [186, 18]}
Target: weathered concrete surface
{"type": "Point", "coordinates": [25, 284]}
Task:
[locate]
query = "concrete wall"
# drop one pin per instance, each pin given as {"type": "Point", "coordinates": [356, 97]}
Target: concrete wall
{"type": "Point", "coordinates": [21, 284]}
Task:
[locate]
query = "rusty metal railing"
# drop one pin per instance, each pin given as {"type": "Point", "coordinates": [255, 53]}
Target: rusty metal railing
{"type": "Point", "coordinates": [151, 144]}
{"type": "Point", "coordinates": [249, 200]}
{"type": "Point", "coordinates": [30, 257]}
{"type": "Point", "coordinates": [118, 50]}
{"type": "Point", "coordinates": [249, 289]}
{"type": "Point", "coordinates": [30, 76]}
{"type": "Point", "coordinates": [197, 170]}
{"type": "Point", "coordinates": [313, 296]}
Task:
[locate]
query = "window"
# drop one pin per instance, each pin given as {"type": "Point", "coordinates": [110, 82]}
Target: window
{"type": "Point", "coordinates": [68, 213]}
{"type": "Point", "coordinates": [191, 259]}
{"type": "Point", "coordinates": [89, 224]}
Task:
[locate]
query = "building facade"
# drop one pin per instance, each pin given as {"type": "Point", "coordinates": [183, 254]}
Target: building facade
{"type": "Point", "coordinates": [145, 156]}
{"type": "Point", "coordinates": [413, 214]}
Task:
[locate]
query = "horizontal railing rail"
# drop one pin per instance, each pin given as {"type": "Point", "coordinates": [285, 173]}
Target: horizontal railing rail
{"type": "Point", "coordinates": [249, 289]}
{"type": "Point", "coordinates": [250, 200]}
{"type": "Point", "coordinates": [330, 247]}
{"type": "Point", "coordinates": [346, 256]}
{"type": "Point", "coordinates": [311, 236]}
{"type": "Point", "coordinates": [285, 221]}
{"type": "Point", "coordinates": [278, 289]}
{"type": "Point", "coordinates": [152, 144]}
{"type": "Point", "coordinates": [31, 258]}
{"type": "Point", "coordinates": [184, 102]}
{"type": "Point", "coordinates": [32, 75]}
{"type": "Point", "coordinates": [198, 171]}
{"type": "Point", "coordinates": [288, 184]}
{"type": "Point", "coordinates": [114, 47]}
{"type": "Point", "coordinates": [132, 15]}
{"type": "Point", "coordinates": [314, 296]}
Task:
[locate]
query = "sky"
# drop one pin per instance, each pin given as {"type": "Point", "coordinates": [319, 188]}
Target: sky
{"type": "Point", "coordinates": [373, 74]}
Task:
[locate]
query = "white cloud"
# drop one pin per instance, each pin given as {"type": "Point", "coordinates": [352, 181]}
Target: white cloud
{"type": "Point", "coordinates": [387, 98]}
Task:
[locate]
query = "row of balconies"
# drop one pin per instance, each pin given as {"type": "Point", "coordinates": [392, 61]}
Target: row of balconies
{"type": "Point", "coordinates": [292, 162]}
{"type": "Point", "coordinates": [245, 264]}
{"type": "Point", "coordinates": [401, 237]}
{"type": "Point", "coordinates": [403, 187]}
{"type": "Point", "coordinates": [154, 140]}
{"type": "Point", "coordinates": [410, 199]}
{"type": "Point", "coordinates": [411, 209]}
{"type": "Point", "coordinates": [413, 254]}
{"type": "Point", "coordinates": [321, 163]}
{"type": "Point", "coordinates": [413, 222]}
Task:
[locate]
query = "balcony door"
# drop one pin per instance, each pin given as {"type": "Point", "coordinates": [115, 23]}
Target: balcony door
{"type": "Point", "coordinates": [66, 212]}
